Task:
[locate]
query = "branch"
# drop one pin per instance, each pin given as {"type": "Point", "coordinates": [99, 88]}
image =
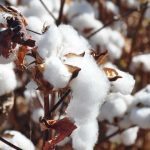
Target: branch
{"type": "Point", "coordinates": [10, 144]}
{"type": "Point", "coordinates": [34, 31]}
{"type": "Point", "coordinates": [50, 13]}
{"type": "Point", "coordinates": [116, 18]}
{"type": "Point", "coordinates": [59, 20]}
{"type": "Point", "coordinates": [60, 100]}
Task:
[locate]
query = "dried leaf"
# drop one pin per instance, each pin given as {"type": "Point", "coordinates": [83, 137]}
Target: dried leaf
{"type": "Point", "coordinates": [71, 55]}
{"type": "Point", "coordinates": [100, 58]}
{"type": "Point", "coordinates": [87, 30]}
{"type": "Point", "coordinates": [112, 74]}
{"type": "Point", "coordinates": [74, 70]}
{"type": "Point", "coordinates": [7, 135]}
{"type": "Point", "coordinates": [64, 127]}
{"type": "Point", "coordinates": [15, 32]}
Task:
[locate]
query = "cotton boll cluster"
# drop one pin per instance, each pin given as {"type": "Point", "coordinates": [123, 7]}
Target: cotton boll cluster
{"type": "Point", "coordinates": [7, 79]}
{"type": "Point", "coordinates": [139, 60]}
{"type": "Point", "coordinates": [108, 39]}
{"type": "Point", "coordinates": [18, 139]}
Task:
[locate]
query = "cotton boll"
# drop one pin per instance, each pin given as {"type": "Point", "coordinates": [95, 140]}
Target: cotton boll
{"type": "Point", "coordinates": [123, 85]}
{"type": "Point", "coordinates": [110, 6]}
{"type": "Point", "coordinates": [36, 114]}
{"type": "Point", "coordinates": [114, 51]}
{"type": "Point", "coordinates": [85, 136]}
{"type": "Point", "coordinates": [129, 136]}
{"type": "Point", "coordinates": [132, 3]}
{"type": "Point", "coordinates": [141, 59]}
{"type": "Point", "coordinates": [7, 79]}
{"type": "Point", "coordinates": [18, 139]}
{"type": "Point", "coordinates": [143, 96]}
{"type": "Point", "coordinates": [56, 72]}
{"type": "Point", "coordinates": [8, 60]}
{"type": "Point", "coordinates": [84, 22]}
{"type": "Point", "coordinates": [72, 41]}
{"type": "Point", "coordinates": [50, 43]}
{"type": "Point", "coordinates": [116, 105]}
{"type": "Point", "coordinates": [79, 8]}
{"type": "Point", "coordinates": [141, 117]}
{"type": "Point", "coordinates": [125, 122]}
{"type": "Point", "coordinates": [91, 79]}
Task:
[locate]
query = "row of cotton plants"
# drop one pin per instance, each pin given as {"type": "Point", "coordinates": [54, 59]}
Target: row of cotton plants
{"type": "Point", "coordinates": [69, 67]}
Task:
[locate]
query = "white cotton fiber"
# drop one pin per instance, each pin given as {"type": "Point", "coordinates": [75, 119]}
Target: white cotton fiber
{"type": "Point", "coordinates": [141, 117]}
{"type": "Point", "coordinates": [129, 136]}
{"type": "Point", "coordinates": [17, 139]}
{"type": "Point", "coordinates": [7, 78]}
{"type": "Point", "coordinates": [56, 72]}
{"type": "Point", "coordinates": [85, 136]}
{"type": "Point", "coordinates": [36, 114]}
{"type": "Point", "coordinates": [141, 59]}
{"type": "Point", "coordinates": [114, 106]}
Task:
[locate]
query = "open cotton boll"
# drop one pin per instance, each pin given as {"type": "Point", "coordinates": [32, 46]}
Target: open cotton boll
{"type": "Point", "coordinates": [114, 51]}
{"type": "Point", "coordinates": [110, 6]}
{"type": "Point", "coordinates": [72, 41]}
{"type": "Point", "coordinates": [7, 79]}
{"type": "Point", "coordinates": [85, 136]}
{"type": "Point", "coordinates": [125, 122]}
{"type": "Point", "coordinates": [129, 136]}
{"type": "Point", "coordinates": [17, 139]}
{"type": "Point", "coordinates": [116, 105]}
{"type": "Point", "coordinates": [56, 73]}
{"type": "Point", "coordinates": [92, 80]}
{"type": "Point", "coordinates": [141, 59]}
{"type": "Point", "coordinates": [84, 22]}
{"type": "Point", "coordinates": [51, 42]}
{"type": "Point", "coordinates": [141, 117]}
{"type": "Point", "coordinates": [143, 96]}
{"type": "Point", "coordinates": [36, 114]}
{"type": "Point", "coordinates": [78, 8]}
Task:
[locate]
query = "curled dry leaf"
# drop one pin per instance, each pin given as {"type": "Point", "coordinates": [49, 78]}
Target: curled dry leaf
{"type": "Point", "coordinates": [112, 74]}
{"type": "Point", "coordinates": [63, 127]}
{"type": "Point", "coordinates": [71, 55]}
{"type": "Point", "coordinates": [15, 32]}
{"type": "Point", "coordinates": [100, 58]}
{"type": "Point", "coordinates": [87, 30]}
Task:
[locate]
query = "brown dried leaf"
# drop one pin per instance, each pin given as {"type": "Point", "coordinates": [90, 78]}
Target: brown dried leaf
{"type": "Point", "coordinates": [64, 127]}
{"type": "Point", "coordinates": [74, 70]}
{"type": "Point", "coordinates": [87, 30]}
{"type": "Point", "coordinates": [112, 74]}
{"type": "Point", "coordinates": [71, 55]}
{"type": "Point", "coordinates": [100, 58]}
{"type": "Point", "coordinates": [7, 135]}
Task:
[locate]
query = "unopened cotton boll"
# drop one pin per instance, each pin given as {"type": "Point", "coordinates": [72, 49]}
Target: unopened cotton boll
{"type": "Point", "coordinates": [85, 136]}
{"type": "Point", "coordinates": [7, 79]}
{"type": "Point", "coordinates": [129, 136]}
{"type": "Point", "coordinates": [56, 73]}
{"type": "Point", "coordinates": [141, 59]}
{"type": "Point", "coordinates": [17, 139]}
{"type": "Point", "coordinates": [141, 117]}
{"type": "Point", "coordinates": [116, 105]}
{"type": "Point", "coordinates": [78, 8]}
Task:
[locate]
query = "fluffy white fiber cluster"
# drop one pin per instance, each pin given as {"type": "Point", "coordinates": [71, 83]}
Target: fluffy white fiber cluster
{"type": "Point", "coordinates": [83, 19]}
{"type": "Point", "coordinates": [89, 88]}
{"type": "Point", "coordinates": [17, 139]}
{"type": "Point", "coordinates": [7, 79]}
